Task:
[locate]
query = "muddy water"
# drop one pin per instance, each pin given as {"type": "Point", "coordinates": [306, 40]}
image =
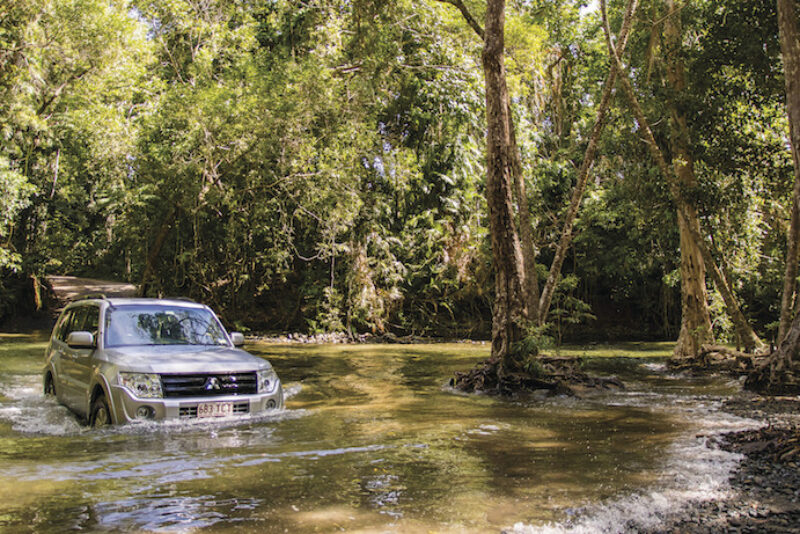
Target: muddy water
{"type": "Point", "coordinates": [371, 440]}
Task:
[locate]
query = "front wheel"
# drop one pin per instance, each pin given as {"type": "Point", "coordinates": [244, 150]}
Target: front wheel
{"type": "Point", "coordinates": [100, 414]}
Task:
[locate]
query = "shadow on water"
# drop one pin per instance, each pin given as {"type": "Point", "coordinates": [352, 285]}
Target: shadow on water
{"type": "Point", "coordinates": [371, 440]}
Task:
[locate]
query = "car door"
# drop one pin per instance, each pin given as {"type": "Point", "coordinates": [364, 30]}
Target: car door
{"type": "Point", "coordinates": [72, 362]}
{"type": "Point", "coordinates": [82, 359]}
{"type": "Point", "coordinates": [56, 356]}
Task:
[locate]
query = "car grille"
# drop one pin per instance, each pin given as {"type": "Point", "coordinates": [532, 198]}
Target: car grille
{"type": "Point", "coordinates": [239, 408]}
{"type": "Point", "coordinates": [209, 384]}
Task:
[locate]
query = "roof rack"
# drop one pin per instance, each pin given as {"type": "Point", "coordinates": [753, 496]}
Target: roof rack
{"type": "Point", "coordinates": [185, 299]}
{"type": "Point", "coordinates": [90, 296]}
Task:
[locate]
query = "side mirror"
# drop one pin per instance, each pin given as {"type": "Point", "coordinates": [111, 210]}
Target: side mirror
{"type": "Point", "coordinates": [237, 338]}
{"type": "Point", "coordinates": [80, 340]}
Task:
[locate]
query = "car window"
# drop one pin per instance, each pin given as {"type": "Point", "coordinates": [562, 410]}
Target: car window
{"type": "Point", "coordinates": [91, 319]}
{"type": "Point", "coordinates": [76, 322]}
{"type": "Point", "coordinates": [162, 325]}
{"type": "Point", "coordinates": [61, 329]}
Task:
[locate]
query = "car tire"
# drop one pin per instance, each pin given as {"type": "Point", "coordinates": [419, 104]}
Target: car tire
{"type": "Point", "coordinates": [100, 415]}
{"type": "Point", "coordinates": [49, 386]}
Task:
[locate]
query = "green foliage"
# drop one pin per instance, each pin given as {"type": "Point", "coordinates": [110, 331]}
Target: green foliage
{"type": "Point", "coordinates": [15, 192]}
{"type": "Point", "coordinates": [568, 310]}
{"type": "Point", "coordinates": [319, 165]}
{"type": "Point", "coordinates": [533, 342]}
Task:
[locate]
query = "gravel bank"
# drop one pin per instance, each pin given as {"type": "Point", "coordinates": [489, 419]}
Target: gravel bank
{"type": "Point", "coordinates": [765, 488]}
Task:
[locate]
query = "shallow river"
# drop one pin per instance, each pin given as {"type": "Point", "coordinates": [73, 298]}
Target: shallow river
{"type": "Point", "coordinates": [371, 440]}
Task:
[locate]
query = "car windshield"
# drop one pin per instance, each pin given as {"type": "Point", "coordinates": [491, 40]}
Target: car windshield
{"type": "Point", "coordinates": [162, 325]}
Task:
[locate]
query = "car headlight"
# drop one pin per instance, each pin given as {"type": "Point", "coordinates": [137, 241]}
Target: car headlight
{"type": "Point", "coordinates": [267, 380]}
{"type": "Point", "coordinates": [142, 385]}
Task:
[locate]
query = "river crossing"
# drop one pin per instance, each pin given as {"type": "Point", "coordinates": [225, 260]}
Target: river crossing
{"type": "Point", "coordinates": [371, 441]}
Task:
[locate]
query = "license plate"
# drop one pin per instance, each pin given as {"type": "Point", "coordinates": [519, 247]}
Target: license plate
{"type": "Point", "coordinates": [215, 409]}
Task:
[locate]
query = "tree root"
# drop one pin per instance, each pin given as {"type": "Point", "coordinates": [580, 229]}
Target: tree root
{"type": "Point", "coordinates": [717, 358]}
{"type": "Point", "coordinates": [775, 373]}
{"type": "Point", "coordinates": [555, 375]}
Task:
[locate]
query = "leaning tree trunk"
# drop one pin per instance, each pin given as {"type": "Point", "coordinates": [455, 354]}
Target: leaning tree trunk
{"type": "Point", "coordinates": [790, 50]}
{"type": "Point", "coordinates": [583, 174]}
{"type": "Point", "coordinates": [510, 313]}
{"type": "Point", "coordinates": [695, 317]}
{"type": "Point", "coordinates": [743, 328]}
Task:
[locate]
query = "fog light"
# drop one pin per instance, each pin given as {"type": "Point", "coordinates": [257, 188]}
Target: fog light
{"type": "Point", "coordinates": [270, 404]}
{"type": "Point", "coordinates": [145, 412]}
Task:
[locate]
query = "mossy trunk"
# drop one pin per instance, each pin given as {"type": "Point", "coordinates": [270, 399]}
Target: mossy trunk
{"type": "Point", "coordinates": [510, 310]}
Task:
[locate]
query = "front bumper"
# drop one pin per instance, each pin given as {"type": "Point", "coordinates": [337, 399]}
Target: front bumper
{"type": "Point", "coordinates": [125, 405]}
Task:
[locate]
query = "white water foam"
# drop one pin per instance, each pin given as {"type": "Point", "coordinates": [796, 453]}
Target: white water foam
{"type": "Point", "coordinates": [694, 471]}
{"type": "Point", "coordinates": [31, 412]}
{"type": "Point", "coordinates": [290, 390]}
{"type": "Point", "coordinates": [656, 367]}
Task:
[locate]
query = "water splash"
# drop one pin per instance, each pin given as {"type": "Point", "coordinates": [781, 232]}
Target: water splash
{"type": "Point", "coordinates": [30, 412]}
{"type": "Point", "coordinates": [694, 471]}
{"type": "Point", "coordinates": [290, 390]}
{"type": "Point", "coordinates": [656, 367]}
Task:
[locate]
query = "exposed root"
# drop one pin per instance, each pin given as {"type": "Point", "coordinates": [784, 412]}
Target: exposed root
{"type": "Point", "coordinates": [556, 375]}
{"type": "Point", "coordinates": [718, 358]}
{"type": "Point", "coordinates": [777, 374]}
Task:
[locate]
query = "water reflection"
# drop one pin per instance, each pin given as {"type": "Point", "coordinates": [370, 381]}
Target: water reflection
{"type": "Point", "coordinates": [168, 513]}
{"type": "Point", "coordinates": [370, 441]}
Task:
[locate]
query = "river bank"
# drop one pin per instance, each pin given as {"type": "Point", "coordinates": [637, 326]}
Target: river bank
{"type": "Point", "coordinates": [764, 491]}
{"type": "Point", "coordinates": [337, 338]}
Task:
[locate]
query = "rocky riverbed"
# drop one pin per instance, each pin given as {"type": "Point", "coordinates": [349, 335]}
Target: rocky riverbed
{"type": "Point", "coordinates": [765, 488]}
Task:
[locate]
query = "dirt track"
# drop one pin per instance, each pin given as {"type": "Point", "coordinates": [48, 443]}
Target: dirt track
{"type": "Point", "coordinates": [66, 288]}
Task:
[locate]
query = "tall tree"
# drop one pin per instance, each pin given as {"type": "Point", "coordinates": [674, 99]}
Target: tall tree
{"type": "Point", "coordinates": [780, 373]}
{"type": "Point", "coordinates": [510, 311]}
{"type": "Point", "coordinates": [695, 316]}
{"type": "Point", "coordinates": [790, 50]}
{"type": "Point", "coordinates": [743, 329]}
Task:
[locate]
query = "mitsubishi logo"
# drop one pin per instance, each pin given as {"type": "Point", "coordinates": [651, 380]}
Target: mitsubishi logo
{"type": "Point", "coordinates": [212, 383]}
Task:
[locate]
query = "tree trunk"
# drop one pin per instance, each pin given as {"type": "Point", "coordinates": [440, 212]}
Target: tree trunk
{"type": "Point", "coordinates": [790, 50]}
{"type": "Point", "coordinates": [779, 373]}
{"type": "Point", "coordinates": [695, 317]}
{"type": "Point", "coordinates": [155, 251]}
{"type": "Point", "coordinates": [510, 313]}
{"type": "Point", "coordinates": [583, 174]}
{"type": "Point", "coordinates": [743, 328]}
{"type": "Point", "coordinates": [531, 279]}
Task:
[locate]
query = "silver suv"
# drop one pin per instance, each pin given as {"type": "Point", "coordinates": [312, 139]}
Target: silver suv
{"type": "Point", "coordinates": [116, 360]}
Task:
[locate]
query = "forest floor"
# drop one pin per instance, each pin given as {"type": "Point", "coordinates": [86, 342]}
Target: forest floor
{"type": "Point", "coordinates": [765, 487]}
